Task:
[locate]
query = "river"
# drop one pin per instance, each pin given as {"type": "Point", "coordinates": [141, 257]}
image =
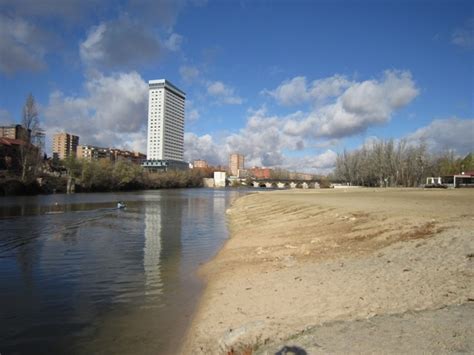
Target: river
{"type": "Point", "coordinates": [78, 275]}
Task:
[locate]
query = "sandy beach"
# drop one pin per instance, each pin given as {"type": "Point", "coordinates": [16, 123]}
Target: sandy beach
{"type": "Point", "coordinates": [341, 271]}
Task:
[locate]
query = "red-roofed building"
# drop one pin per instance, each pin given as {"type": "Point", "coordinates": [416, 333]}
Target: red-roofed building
{"type": "Point", "coordinates": [10, 153]}
{"type": "Point", "coordinates": [260, 173]}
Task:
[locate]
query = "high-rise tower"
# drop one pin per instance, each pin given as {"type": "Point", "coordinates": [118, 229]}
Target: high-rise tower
{"type": "Point", "coordinates": [165, 121]}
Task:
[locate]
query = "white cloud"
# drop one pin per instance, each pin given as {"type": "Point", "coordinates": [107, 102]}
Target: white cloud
{"type": "Point", "coordinates": [296, 91]}
{"type": "Point", "coordinates": [291, 92]}
{"type": "Point", "coordinates": [446, 134]}
{"type": "Point", "coordinates": [340, 108]}
{"type": "Point", "coordinates": [119, 43]}
{"type": "Point", "coordinates": [464, 37]}
{"type": "Point", "coordinates": [188, 73]}
{"type": "Point", "coordinates": [173, 43]}
{"type": "Point", "coordinates": [329, 87]}
{"type": "Point", "coordinates": [22, 45]}
{"type": "Point", "coordinates": [224, 94]}
{"type": "Point", "coordinates": [262, 142]}
{"type": "Point", "coordinates": [129, 40]}
{"type": "Point", "coordinates": [361, 105]}
{"type": "Point", "coordinates": [202, 147]}
{"type": "Point", "coordinates": [113, 112]}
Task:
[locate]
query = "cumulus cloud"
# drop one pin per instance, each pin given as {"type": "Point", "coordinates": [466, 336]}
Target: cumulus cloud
{"type": "Point", "coordinates": [202, 147]}
{"type": "Point", "coordinates": [446, 134]}
{"type": "Point", "coordinates": [338, 108]}
{"type": "Point", "coordinates": [119, 43]}
{"type": "Point", "coordinates": [464, 36]}
{"type": "Point", "coordinates": [262, 142]}
{"type": "Point", "coordinates": [361, 105]}
{"type": "Point", "coordinates": [291, 92]}
{"type": "Point", "coordinates": [129, 40]}
{"type": "Point", "coordinates": [322, 163]}
{"type": "Point", "coordinates": [23, 45]}
{"type": "Point", "coordinates": [296, 91]}
{"type": "Point", "coordinates": [224, 94]}
{"type": "Point", "coordinates": [113, 112]}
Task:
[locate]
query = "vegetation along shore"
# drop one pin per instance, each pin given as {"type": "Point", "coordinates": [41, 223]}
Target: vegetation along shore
{"type": "Point", "coordinates": [341, 271]}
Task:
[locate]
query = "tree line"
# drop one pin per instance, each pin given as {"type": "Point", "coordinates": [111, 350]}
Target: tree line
{"type": "Point", "coordinates": [106, 175]}
{"type": "Point", "coordinates": [387, 163]}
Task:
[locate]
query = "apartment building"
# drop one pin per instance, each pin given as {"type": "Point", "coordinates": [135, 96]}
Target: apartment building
{"type": "Point", "coordinates": [90, 152]}
{"type": "Point", "coordinates": [14, 132]}
{"type": "Point", "coordinates": [236, 163]}
{"type": "Point", "coordinates": [200, 164]}
{"type": "Point", "coordinates": [64, 145]}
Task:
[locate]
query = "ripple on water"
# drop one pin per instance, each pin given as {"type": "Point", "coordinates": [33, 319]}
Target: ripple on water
{"type": "Point", "coordinates": [79, 275]}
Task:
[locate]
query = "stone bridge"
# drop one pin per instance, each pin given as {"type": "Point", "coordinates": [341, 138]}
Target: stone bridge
{"type": "Point", "coordinates": [285, 184]}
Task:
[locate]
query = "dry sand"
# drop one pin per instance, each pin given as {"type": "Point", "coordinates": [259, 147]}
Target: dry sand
{"type": "Point", "coordinates": [341, 271]}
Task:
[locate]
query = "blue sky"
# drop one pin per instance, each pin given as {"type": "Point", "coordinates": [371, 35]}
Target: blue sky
{"type": "Point", "coordinates": [287, 83]}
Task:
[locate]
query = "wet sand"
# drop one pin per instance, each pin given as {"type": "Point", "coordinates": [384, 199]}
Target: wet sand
{"type": "Point", "coordinates": [341, 271]}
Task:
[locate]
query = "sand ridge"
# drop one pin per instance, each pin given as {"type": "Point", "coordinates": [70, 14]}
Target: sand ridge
{"type": "Point", "coordinates": [298, 260]}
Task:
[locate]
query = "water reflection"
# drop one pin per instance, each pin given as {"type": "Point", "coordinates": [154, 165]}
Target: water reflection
{"type": "Point", "coordinates": [152, 249]}
{"type": "Point", "coordinates": [93, 279]}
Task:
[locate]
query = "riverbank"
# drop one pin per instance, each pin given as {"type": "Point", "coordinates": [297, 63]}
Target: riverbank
{"type": "Point", "coordinates": [107, 182]}
{"type": "Point", "coordinates": [341, 271]}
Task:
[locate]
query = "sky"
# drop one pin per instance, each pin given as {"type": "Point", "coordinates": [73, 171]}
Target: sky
{"type": "Point", "coordinates": [288, 84]}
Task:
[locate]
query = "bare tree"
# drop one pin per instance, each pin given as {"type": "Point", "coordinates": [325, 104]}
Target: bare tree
{"type": "Point", "coordinates": [386, 163]}
{"type": "Point", "coordinates": [29, 153]}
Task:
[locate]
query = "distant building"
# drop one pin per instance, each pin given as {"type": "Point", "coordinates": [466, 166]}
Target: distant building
{"type": "Point", "coordinates": [90, 152]}
{"type": "Point", "coordinates": [64, 145]}
{"type": "Point", "coordinates": [200, 164]}
{"type": "Point", "coordinates": [465, 179]}
{"type": "Point", "coordinates": [125, 155]}
{"type": "Point", "coordinates": [219, 179]}
{"type": "Point", "coordinates": [260, 173]}
{"type": "Point", "coordinates": [301, 176]}
{"type": "Point", "coordinates": [236, 163]}
{"type": "Point", "coordinates": [14, 132]}
{"type": "Point", "coordinates": [165, 121]}
{"type": "Point", "coordinates": [10, 153]}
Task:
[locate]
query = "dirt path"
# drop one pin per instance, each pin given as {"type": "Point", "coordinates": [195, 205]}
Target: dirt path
{"type": "Point", "coordinates": [298, 261]}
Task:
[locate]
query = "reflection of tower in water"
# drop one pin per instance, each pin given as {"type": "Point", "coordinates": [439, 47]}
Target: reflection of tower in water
{"type": "Point", "coordinates": [152, 249]}
{"type": "Point", "coordinates": [162, 247]}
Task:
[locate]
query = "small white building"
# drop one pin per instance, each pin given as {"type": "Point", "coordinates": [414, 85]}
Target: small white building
{"type": "Point", "coordinates": [219, 178]}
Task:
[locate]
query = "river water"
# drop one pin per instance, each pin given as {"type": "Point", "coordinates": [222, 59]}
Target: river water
{"type": "Point", "coordinates": [79, 276]}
